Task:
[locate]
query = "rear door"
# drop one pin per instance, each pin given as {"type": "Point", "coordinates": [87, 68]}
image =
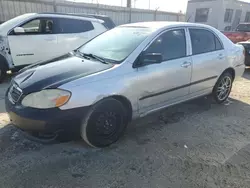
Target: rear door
{"type": "Point", "coordinates": [37, 43]}
{"type": "Point", "coordinates": [73, 33]}
{"type": "Point", "coordinates": [208, 57]}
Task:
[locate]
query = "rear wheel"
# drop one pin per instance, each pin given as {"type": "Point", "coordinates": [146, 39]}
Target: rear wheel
{"type": "Point", "coordinates": [104, 124]}
{"type": "Point", "coordinates": [223, 87]}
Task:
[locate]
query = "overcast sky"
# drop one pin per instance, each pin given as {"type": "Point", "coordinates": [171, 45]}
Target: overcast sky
{"type": "Point", "coordinates": [167, 5]}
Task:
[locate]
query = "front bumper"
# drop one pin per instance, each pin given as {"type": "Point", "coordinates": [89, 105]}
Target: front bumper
{"type": "Point", "coordinates": [45, 120]}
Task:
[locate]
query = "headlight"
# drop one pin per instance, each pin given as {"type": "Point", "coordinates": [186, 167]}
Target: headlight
{"type": "Point", "coordinates": [49, 98]}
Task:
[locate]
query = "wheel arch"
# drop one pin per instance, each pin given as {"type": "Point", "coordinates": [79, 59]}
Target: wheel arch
{"type": "Point", "coordinates": [126, 103]}
{"type": "Point", "coordinates": [231, 71]}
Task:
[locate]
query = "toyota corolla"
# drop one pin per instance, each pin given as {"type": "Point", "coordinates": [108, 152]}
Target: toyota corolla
{"type": "Point", "coordinates": [122, 74]}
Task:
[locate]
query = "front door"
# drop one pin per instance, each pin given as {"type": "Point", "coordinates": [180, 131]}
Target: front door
{"type": "Point", "coordinates": [37, 43]}
{"type": "Point", "coordinates": [159, 84]}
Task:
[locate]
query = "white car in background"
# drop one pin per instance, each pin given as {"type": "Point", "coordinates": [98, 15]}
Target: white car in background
{"type": "Point", "coordinates": [33, 37]}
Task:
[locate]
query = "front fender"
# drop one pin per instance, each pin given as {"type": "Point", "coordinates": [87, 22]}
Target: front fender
{"type": "Point", "coordinates": [90, 93]}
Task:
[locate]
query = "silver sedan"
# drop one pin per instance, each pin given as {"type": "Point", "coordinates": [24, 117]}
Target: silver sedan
{"type": "Point", "coordinates": [122, 74]}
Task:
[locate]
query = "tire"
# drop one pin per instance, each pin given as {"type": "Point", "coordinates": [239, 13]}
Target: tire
{"type": "Point", "coordinates": [3, 72]}
{"type": "Point", "coordinates": [104, 124]}
{"type": "Point", "coordinates": [223, 87]}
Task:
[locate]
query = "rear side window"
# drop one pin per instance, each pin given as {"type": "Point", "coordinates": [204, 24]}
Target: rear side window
{"type": "Point", "coordinates": [204, 41]}
{"type": "Point", "coordinates": [218, 44]}
{"type": "Point", "coordinates": [74, 26]}
{"type": "Point", "coordinates": [171, 45]}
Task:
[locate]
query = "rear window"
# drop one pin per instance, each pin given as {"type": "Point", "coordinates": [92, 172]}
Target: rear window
{"type": "Point", "coordinates": [74, 26]}
{"type": "Point", "coordinates": [243, 28]}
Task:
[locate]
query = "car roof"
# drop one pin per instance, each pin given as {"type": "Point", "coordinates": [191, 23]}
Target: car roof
{"type": "Point", "coordinates": [163, 24]}
{"type": "Point", "coordinates": [105, 20]}
{"type": "Point", "coordinates": [75, 14]}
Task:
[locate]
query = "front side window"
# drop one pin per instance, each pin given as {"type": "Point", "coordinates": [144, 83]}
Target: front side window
{"type": "Point", "coordinates": [74, 26]}
{"type": "Point", "coordinates": [171, 45]}
{"type": "Point", "coordinates": [116, 44]}
{"type": "Point", "coordinates": [201, 15]}
{"type": "Point", "coordinates": [38, 26]}
{"type": "Point", "coordinates": [228, 15]}
{"type": "Point", "coordinates": [204, 41]}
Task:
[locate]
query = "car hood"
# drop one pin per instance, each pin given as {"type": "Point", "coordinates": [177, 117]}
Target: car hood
{"type": "Point", "coordinates": [55, 72]}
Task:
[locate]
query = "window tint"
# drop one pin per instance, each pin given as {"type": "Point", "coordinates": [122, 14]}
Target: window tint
{"type": "Point", "coordinates": [202, 41]}
{"type": "Point", "coordinates": [74, 26]}
{"type": "Point", "coordinates": [38, 26]}
{"type": "Point", "coordinates": [201, 15]}
{"type": "Point", "coordinates": [171, 45]}
{"type": "Point", "coordinates": [228, 15]}
{"type": "Point", "coordinates": [218, 44]}
{"type": "Point", "coordinates": [32, 26]}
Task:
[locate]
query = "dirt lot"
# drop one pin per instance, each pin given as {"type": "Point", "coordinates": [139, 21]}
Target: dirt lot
{"type": "Point", "coordinates": [196, 144]}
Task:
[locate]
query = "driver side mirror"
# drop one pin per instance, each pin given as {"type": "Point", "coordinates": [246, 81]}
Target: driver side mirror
{"type": "Point", "coordinates": [19, 30]}
{"type": "Point", "coordinates": [149, 58]}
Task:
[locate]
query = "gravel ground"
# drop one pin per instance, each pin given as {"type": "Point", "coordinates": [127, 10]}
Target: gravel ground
{"type": "Point", "coordinates": [195, 144]}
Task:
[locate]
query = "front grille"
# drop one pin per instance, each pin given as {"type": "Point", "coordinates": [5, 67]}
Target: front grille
{"type": "Point", "coordinates": [15, 93]}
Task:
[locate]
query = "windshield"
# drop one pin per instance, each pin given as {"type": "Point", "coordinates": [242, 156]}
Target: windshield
{"type": "Point", "coordinates": [116, 44]}
{"type": "Point", "coordinates": [243, 28]}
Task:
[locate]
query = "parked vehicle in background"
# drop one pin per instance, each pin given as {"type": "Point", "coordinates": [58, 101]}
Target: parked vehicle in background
{"type": "Point", "coordinates": [242, 33]}
{"type": "Point", "coordinates": [246, 45]}
{"type": "Point", "coordinates": [33, 37]}
{"type": "Point", "coordinates": [122, 74]}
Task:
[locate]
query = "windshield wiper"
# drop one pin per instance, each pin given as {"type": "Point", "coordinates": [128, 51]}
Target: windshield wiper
{"type": "Point", "coordinates": [88, 56]}
{"type": "Point", "coordinates": [81, 54]}
{"type": "Point", "coordinates": [95, 57]}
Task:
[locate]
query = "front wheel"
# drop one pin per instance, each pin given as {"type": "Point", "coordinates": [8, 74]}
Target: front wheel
{"type": "Point", "coordinates": [104, 124]}
{"type": "Point", "coordinates": [223, 87]}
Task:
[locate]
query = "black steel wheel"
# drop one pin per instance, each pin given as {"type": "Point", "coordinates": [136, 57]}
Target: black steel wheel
{"type": "Point", "coordinates": [223, 87]}
{"type": "Point", "coordinates": [104, 124]}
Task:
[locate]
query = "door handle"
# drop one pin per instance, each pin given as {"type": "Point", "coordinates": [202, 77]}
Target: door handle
{"type": "Point", "coordinates": [221, 56]}
{"type": "Point", "coordinates": [186, 64]}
